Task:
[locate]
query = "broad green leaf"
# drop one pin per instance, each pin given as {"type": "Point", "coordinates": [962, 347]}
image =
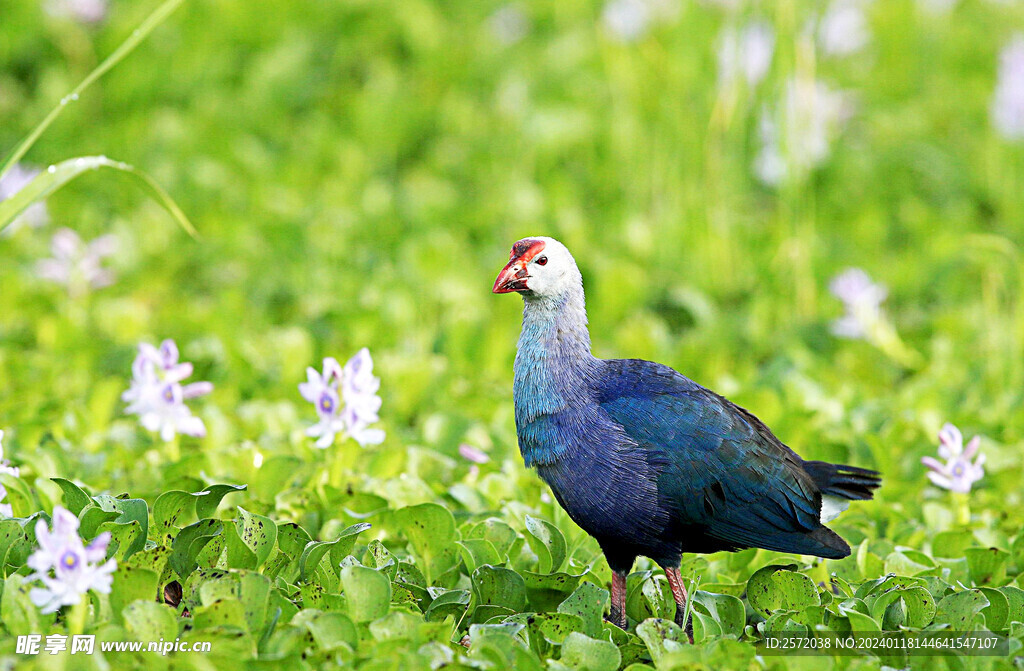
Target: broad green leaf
{"type": "Point", "coordinates": [129, 510]}
{"type": "Point", "coordinates": [726, 611]}
{"type": "Point", "coordinates": [554, 627]}
{"type": "Point", "coordinates": [498, 586]}
{"type": "Point", "coordinates": [430, 529]}
{"type": "Point", "coordinates": [662, 638]}
{"type": "Point", "coordinates": [452, 603]}
{"type": "Point", "coordinates": [314, 551]}
{"type": "Point", "coordinates": [74, 498]}
{"type": "Point", "coordinates": [150, 621]}
{"type": "Point", "coordinates": [259, 534]}
{"type": "Point", "coordinates": [330, 630]}
{"type": "Point", "coordinates": [588, 602]}
{"type": "Point", "coordinates": [19, 496]}
{"type": "Point", "coordinates": [367, 592]}
{"type": "Point", "coordinates": [173, 508]}
{"type": "Point", "coordinates": [131, 584]}
{"type": "Point", "coordinates": [477, 552]}
{"type": "Point", "coordinates": [545, 591]}
{"type": "Point", "coordinates": [961, 610]}
{"type": "Point", "coordinates": [590, 654]}
{"type": "Point", "coordinates": [206, 505]}
{"type": "Point", "coordinates": [987, 566]}
{"type": "Point", "coordinates": [189, 542]}
{"type": "Point", "coordinates": [547, 542]}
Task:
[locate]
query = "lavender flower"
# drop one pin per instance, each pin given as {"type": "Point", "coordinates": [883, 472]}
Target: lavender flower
{"type": "Point", "coordinates": [13, 181]}
{"type": "Point", "coordinates": [157, 396]}
{"type": "Point", "coordinates": [84, 11]}
{"type": "Point", "coordinates": [67, 568]}
{"type": "Point", "coordinates": [1008, 100]}
{"type": "Point", "coordinates": [473, 454]}
{"type": "Point", "coordinates": [797, 136]}
{"type": "Point", "coordinates": [354, 385]}
{"type": "Point", "coordinates": [862, 299]}
{"type": "Point", "coordinates": [745, 53]}
{"type": "Point", "coordinates": [76, 264]}
{"type": "Point", "coordinates": [959, 472]}
{"type": "Point", "coordinates": [843, 30]}
{"type": "Point", "coordinates": [5, 467]}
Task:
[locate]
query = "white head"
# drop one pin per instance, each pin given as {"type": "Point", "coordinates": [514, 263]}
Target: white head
{"type": "Point", "coordinates": [539, 267]}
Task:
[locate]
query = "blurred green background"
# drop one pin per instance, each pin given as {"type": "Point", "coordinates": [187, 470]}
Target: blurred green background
{"type": "Point", "coordinates": [358, 171]}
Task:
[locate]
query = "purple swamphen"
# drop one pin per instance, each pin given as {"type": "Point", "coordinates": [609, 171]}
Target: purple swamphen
{"type": "Point", "coordinates": [645, 460]}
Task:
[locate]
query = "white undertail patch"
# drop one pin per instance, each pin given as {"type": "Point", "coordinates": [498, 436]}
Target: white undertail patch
{"type": "Point", "coordinates": [831, 507]}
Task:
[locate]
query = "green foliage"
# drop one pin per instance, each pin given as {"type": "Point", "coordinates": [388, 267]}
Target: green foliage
{"type": "Point", "coordinates": [358, 171]}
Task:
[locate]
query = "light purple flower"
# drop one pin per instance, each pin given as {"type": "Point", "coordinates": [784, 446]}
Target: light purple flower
{"type": "Point", "coordinates": [85, 11]}
{"type": "Point", "coordinates": [473, 454]}
{"type": "Point", "coordinates": [843, 30]}
{"type": "Point", "coordinates": [862, 300]}
{"type": "Point", "coordinates": [626, 20]}
{"type": "Point", "coordinates": [157, 396]}
{"type": "Point", "coordinates": [76, 264]}
{"type": "Point", "coordinates": [5, 467]}
{"type": "Point", "coordinates": [745, 53]}
{"type": "Point", "coordinates": [322, 391]}
{"type": "Point", "coordinates": [796, 137]}
{"type": "Point", "coordinates": [66, 567]}
{"type": "Point", "coordinates": [1008, 100]}
{"type": "Point", "coordinates": [13, 181]}
{"type": "Point", "coordinates": [958, 473]}
{"type": "Point", "coordinates": [346, 400]}
{"type": "Point", "coordinates": [359, 391]}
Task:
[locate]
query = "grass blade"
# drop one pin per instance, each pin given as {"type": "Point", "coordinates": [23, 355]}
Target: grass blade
{"type": "Point", "coordinates": [60, 174]}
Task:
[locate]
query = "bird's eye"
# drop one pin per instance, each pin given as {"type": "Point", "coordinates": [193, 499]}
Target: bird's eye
{"type": "Point", "coordinates": [542, 261]}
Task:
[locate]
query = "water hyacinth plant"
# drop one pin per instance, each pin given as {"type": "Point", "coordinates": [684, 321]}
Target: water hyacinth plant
{"type": "Point", "coordinates": [957, 469]}
{"type": "Point", "coordinates": [157, 396]}
{"type": "Point", "coordinates": [346, 400]}
{"type": "Point", "coordinates": [68, 568]}
{"type": "Point", "coordinates": [745, 54]}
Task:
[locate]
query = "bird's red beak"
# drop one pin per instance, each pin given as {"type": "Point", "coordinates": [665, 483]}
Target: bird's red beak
{"type": "Point", "coordinates": [511, 278]}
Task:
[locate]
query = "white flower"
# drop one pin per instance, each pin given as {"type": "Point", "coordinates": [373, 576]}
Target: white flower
{"type": "Point", "coordinates": [359, 391]}
{"type": "Point", "coordinates": [67, 568]}
{"type": "Point", "coordinates": [5, 467]}
{"type": "Point", "coordinates": [13, 181]}
{"type": "Point", "coordinates": [76, 264]}
{"type": "Point", "coordinates": [346, 400]}
{"type": "Point", "coordinates": [797, 136]}
{"type": "Point", "coordinates": [1008, 100]}
{"type": "Point", "coordinates": [157, 396]}
{"type": "Point", "coordinates": [86, 11]}
{"type": "Point", "coordinates": [862, 300]}
{"type": "Point", "coordinates": [958, 473]}
{"type": "Point", "coordinates": [745, 53]}
{"type": "Point", "coordinates": [843, 29]}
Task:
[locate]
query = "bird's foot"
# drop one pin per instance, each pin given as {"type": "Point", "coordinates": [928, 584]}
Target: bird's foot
{"type": "Point", "coordinates": [618, 618]}
{"type": "Point", "coordinates": [687, 626]}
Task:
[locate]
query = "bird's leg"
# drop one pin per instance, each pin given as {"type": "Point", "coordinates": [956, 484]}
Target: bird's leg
{"type": "Point", "coordinates": [675, 581]}
{"type": "Point", "coordinates": [617, 616]}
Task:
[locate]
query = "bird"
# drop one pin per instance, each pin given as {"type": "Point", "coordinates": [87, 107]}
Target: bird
{"type": "Point", "coordinates": [647, 461]}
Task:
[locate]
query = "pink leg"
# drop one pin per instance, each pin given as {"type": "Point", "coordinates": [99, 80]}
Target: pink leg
{"type": "Point", "coordinates": [675, 581]}
{"type": "Point", "coordinates": [617, 616]}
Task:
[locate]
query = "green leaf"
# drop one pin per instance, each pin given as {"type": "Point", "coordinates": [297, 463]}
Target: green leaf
{"type": "Point", "coordinates": [961, 610]}
{"type": "Point", "coordinates": [74, 498]}
{"type": "Point", "coordinates": [477, 552]}
{"type": "Point", "coordinates": [727, 612]}
{"type": "Point", "coordinates": [501, 535]}
{"type": "Point", "coordinates": [19, 615]}
{"type": "Point", "coordinates": [911, 606]}
{"type": "Point", "coordinates": [776, 587]}
{"type": "Point", "coordinates": [367, 591]}
{"type": "Point", "coordinates": [14, 545]}
{"type": "Point", "coordinates": [150, 621]}
{"type": "Point", "coordinates": [590, 654]}
{"type": "Point", "coordinates": [498, 586]}
{"type": "Point", "coordinates": [545, 591]}
{"type": "Point", "coordinates": [339, 548]}
{"type": "Point", "coordinates": [189, 542]}
{"type": "Point", "coordinates": [19, 496]}
{"type": "Point", "coordinates": [588, 602]}
{"type": "Point", "coordinates": [56, 176]}
{"type": "Point", "coordinates": [662, 637]}
{"type": "Point", "coordinates": [1015, 603]}
{"type": "Point", "coordinates": [430, 529]}
{"type": "Point", "coordinates": [173, 507]}
{"type": "Point", "coordinates": [131, 584]}
{"type": "Point", "coordinates": [547, 542]}
{"type": "Point", "coordinates": [555, 627]}
{"type": "Point", "coordinates": [987, 566]}
{"type": "Point", "coordinates": [206, 505]}
{"type": "Point", "coordinates": [453, 603]}
{"type": "Point", "coordinates": [259, 534]}
{"type": "Point", "coordinates": [330, 630]}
